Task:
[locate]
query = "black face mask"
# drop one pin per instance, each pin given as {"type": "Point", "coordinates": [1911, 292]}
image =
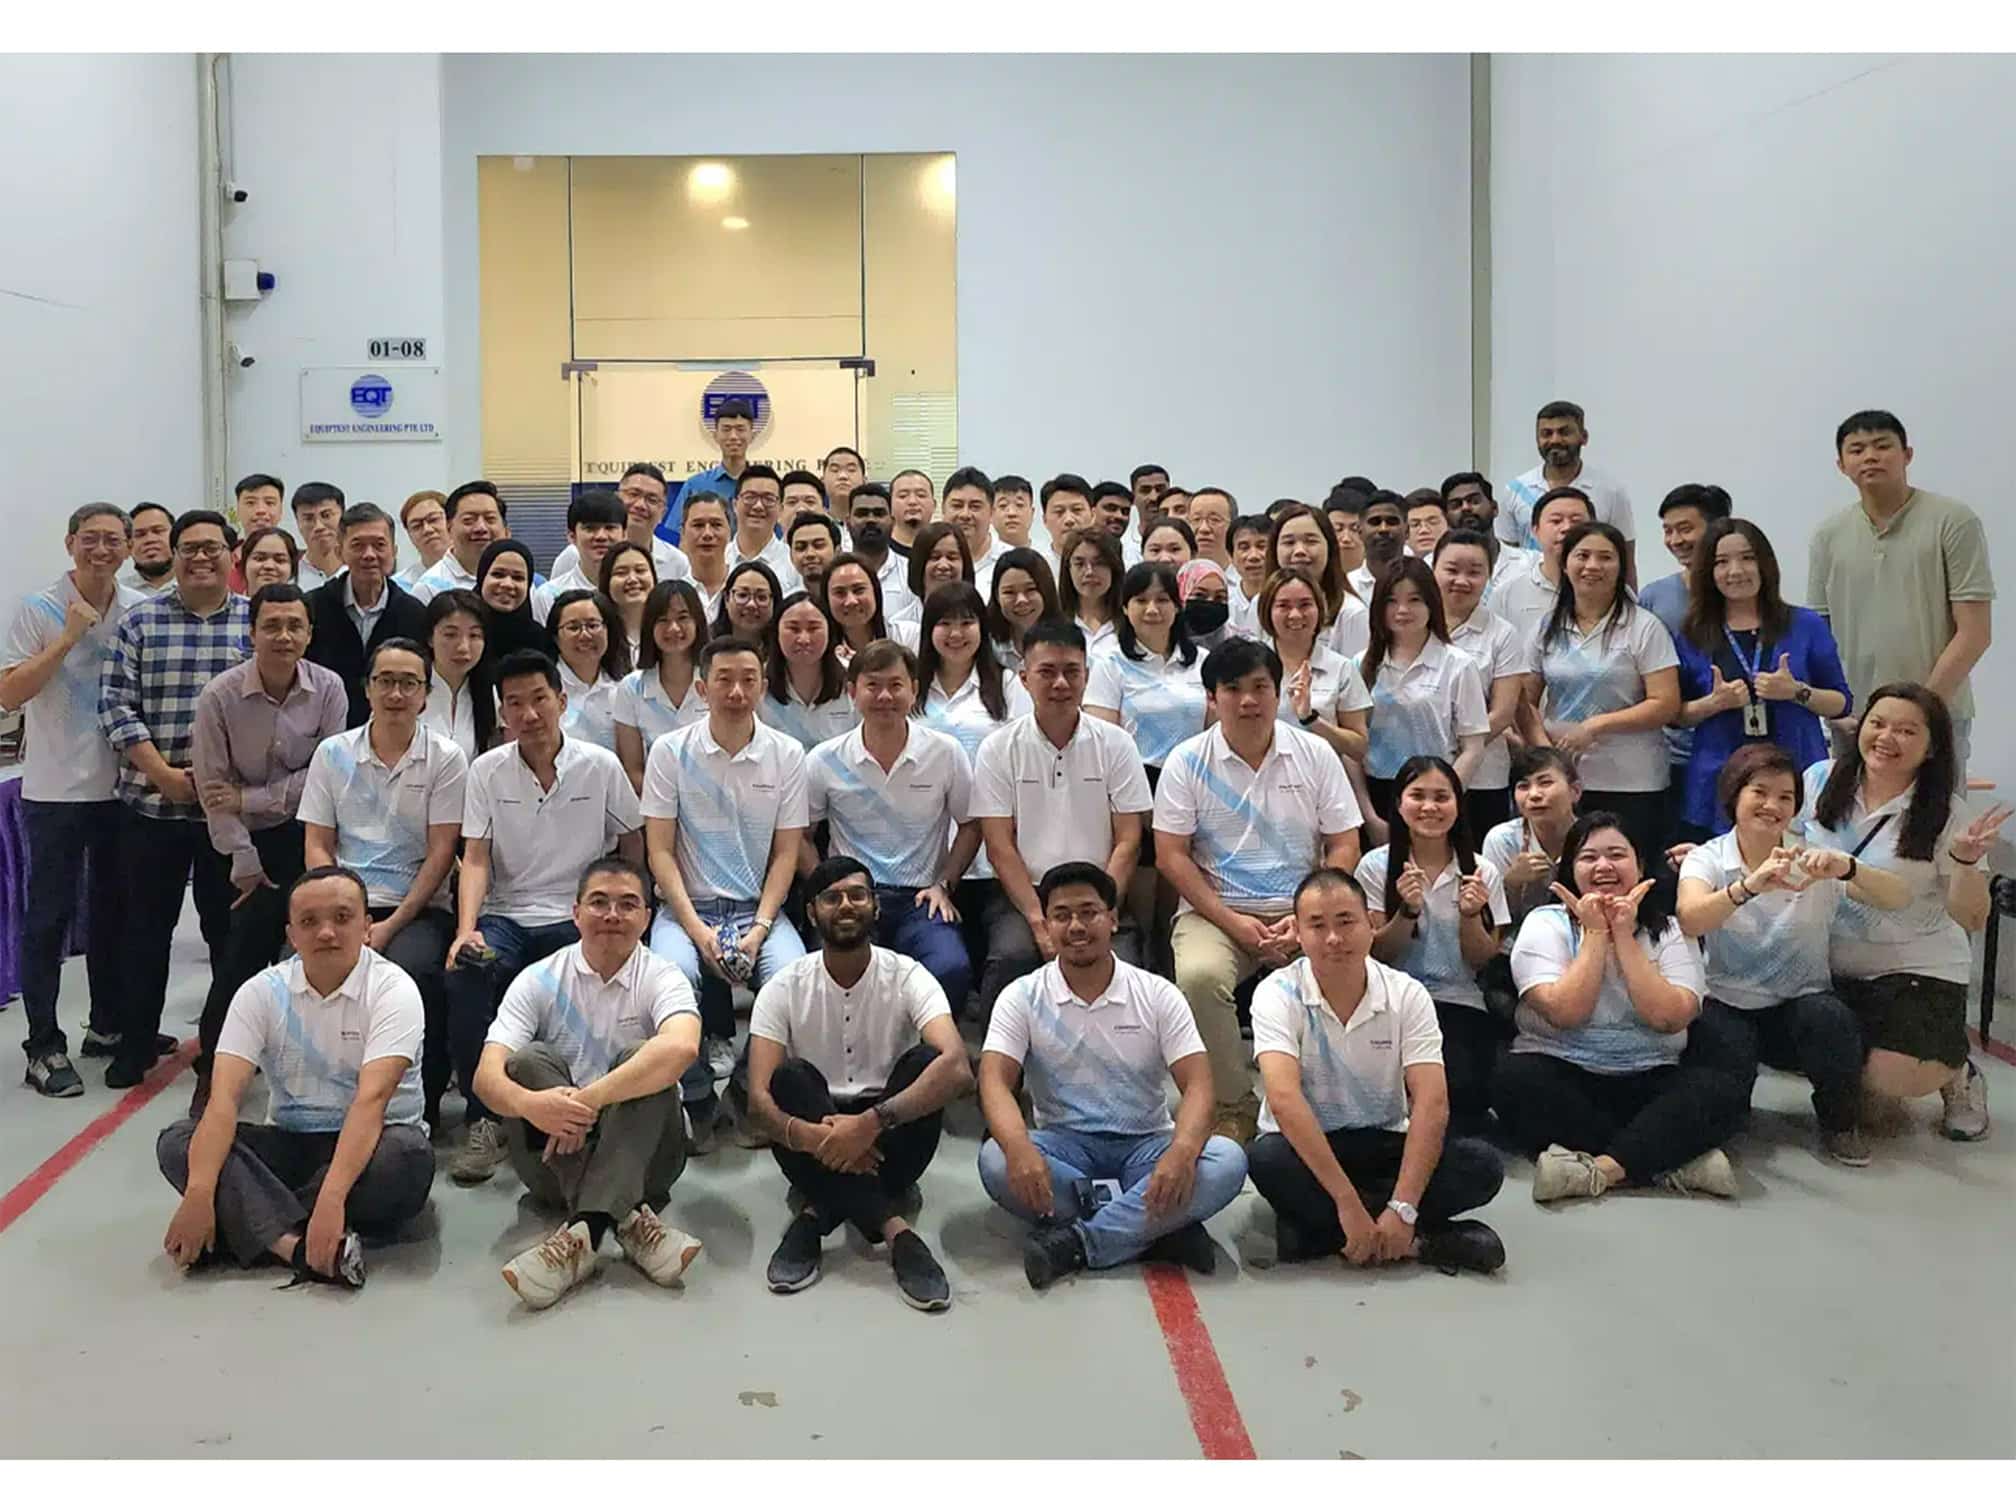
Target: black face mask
{"type": "Point", "coordinates": [1204, 616]}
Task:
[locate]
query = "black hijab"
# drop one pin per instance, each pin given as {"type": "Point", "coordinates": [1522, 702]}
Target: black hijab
{"type": "Point", "coordinates": [516, 630]}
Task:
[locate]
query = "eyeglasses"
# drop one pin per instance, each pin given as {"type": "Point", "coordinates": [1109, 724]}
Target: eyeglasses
{"type": "Point", "coordinates": [603, 906]}
{"type": "Point", "coordinates": [97, 541]}
{"type": "Point", "coordinates": [582, 627]}
{"type": "Point", "coordinates": [390, 683]}
{"type": "Point", "coordinates": [201, 551]}
{"type": "Point", "coordinates": [749, 597]}
{"type": "Point", "coordinates": [846, 895]}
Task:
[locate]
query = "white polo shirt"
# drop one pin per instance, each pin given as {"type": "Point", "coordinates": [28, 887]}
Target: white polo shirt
{"type": "Point", "coordinates": [1159, 700]}
{"type": "Point", "coordinates": [896, 822]}
{"type": "Point", "coordinates": [1255, 833]}
{"type": "Point", "coordinates": [69, 759]}
{"type": "Point", "coordinates": [1606, 496]}
{"type": "Point", "coordinates": [640, 701]}
{"type": "Point", "coordinates": [1512, 561]}
{"type": "Point", "coordinates": [898, 602]}
{"type": "Point", "coordinates": [452, 713]}
{"type": "Point", "coordinates": [1062, 801]}
{"type": "Point", "coordinates": [984, 564]}
{"type": "Point", "coordinates": [1106, 637]}
{"type": "Point", "coordinates": [562, 1003]}
{"type": "Point", "coordinates": [1100, 1067]}
{"type": "Point", "coordinates": [775, 555]}
{"type": "Point", "coordinates": [382, 816]}
{"type": "Point", "coordinates": [728, 807]}
{"type": "Point", "coordinates": [1601, 673]}
{"type": "Point", "coordinates": [1524, 599]}
{"type": "Point", "coordinates": [1351, 631]}
{"type": "Point", "coordinates": [591, 707]}
{"type": "Point", "coordinates": [1424, 708]}
{"type": "Point", "coordinates": [1243, 607]}
{"type": "Point", "coordinates": [1364, 580]}
{"type": "Point", "coordinates": [1774, 947]}
{"type": "Point", "coordinates": [1921, 937]}
{"type": "Point", "coordinates": [1334, 687]}
{"type": "Point", "coordinates": [313, 1047]}
{"type": "Point", "coordinates": [1435, 958]}
{"type": "Point", "coordinates": [854, 1035]}
{"type": "Point", "coordinates": [668, 559]}
{"type": "Point", "coordinates": [1501, 843]}
{"type": "Point", "coordinates": [1354, 1075]}
{"type": "Point", "coordinates": [540, 840]}
{"type": "Point", "coordinates": [1615, 1039]}
{"type": "Point", "coordinates": [964, 717]}
{"type": "Point", "coordinates": [1498, 651]}
{"type": "Point", "coordinates": [807, 723]}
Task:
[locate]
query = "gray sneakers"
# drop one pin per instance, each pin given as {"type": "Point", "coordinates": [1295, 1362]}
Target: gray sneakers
{"type": "Point", "coordinates": [53, 1076]}
{"type": "Point", "coordinates": [483, 1150]}
{"type": "Point", "coordinates": [1966, 1099]}
{"type": "Point", "coordinates": [1848, 1147]}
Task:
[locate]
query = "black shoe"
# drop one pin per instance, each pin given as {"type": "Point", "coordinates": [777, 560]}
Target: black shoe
{"type": "Point", "coordinates": [126, 1073]}
{"type": "Point", "coordinates": [53, 1076]}
{"type": "Point", "coordinates": [96, 1046]}
{"type": "Point", "coordinates": [1292, 1243]}
{"type": "Point", "coordinates": [166, 1044]}
{"type": "Point", "coordinates": [1051, 1251]}
{"type": "Point", "coordinates": [1189, 1247]}
{"type": "Point", "coordinates": [1465, 1245]}
{"type": "Point", "coordinates": [910, 1202]}
{"type": "Point", "coordinates": [794, 1265]}
{"type": "Point", "coordinates": [918, 1274]}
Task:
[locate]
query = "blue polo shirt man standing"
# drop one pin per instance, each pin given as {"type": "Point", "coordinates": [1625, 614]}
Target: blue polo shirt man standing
{"type": "Point", "coordinates": [734, 429]}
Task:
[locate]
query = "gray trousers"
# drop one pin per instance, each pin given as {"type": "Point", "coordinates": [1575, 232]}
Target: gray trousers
{"type": "Point", "coordinates": [634, 1153]}
{"type": "Point", "coordinates": [269, 1181]}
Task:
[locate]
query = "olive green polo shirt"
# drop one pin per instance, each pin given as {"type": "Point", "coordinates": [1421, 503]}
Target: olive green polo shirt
{"type": "Point", "coordinates": [1888, 593]}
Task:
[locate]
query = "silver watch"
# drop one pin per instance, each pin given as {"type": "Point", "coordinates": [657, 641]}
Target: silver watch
{"type": "Point", "coordinates": [1409, 1214]}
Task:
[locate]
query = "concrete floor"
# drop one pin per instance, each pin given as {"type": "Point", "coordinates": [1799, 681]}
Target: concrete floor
{"type": "Point", "coordinates": [1827, 1313]}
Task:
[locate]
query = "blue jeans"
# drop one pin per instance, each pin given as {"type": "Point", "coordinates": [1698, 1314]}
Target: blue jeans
{"type": "Point", "coordinates": [781, 946]}
{"type": "Point", "coordinates": [475, 991]}
{"type": "Point", "coordinates": [907, 928]}
{"type": "Point", "coordinates": [1122, 1229]}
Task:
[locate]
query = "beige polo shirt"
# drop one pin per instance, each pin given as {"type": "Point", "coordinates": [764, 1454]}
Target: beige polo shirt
{"type": "Point", "coordinates": [1888, 594]}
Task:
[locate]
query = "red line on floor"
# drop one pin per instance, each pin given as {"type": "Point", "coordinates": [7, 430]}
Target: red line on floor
{"type": "Point", "coordinates": [1993, 1047]}
{"type": "Point", "coordinates": [1200, 1376]}
{"type": "Point", "coordinates": [33, 1187]}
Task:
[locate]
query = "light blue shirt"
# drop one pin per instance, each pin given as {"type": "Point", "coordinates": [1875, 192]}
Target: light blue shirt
{"type": "Point", "coordinates": [714, 480]}
{"type": "Point", "coordinates": [1615, 1040]}
{"type": "Point", "coordinates": [1666, 598]}
{"type": "Point", "coordinates": [808, 723]}
{"type": "Point", "coordinates": [382, 815]}
{"type": "Point", "coordinates": [897, 821]}
{"type": "Point", "coordinates": [728, 806]}
{"type": "Point", "coordinates": [591, 708]}
{"type": "Point", "coordinates": [641, 703]}
{"type": "Point", "coordinates": [1160, 701]}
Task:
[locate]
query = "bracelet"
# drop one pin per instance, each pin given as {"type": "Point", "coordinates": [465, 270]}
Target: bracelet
{"type": "Point", "coordinates": [1953, 856]}
{"type": "Point", "coordinates": [1310, 718]}
{"type": "Point", "coordinates": [1853, 867]}
{"type": "Point", "coordinates": [1734, 900]}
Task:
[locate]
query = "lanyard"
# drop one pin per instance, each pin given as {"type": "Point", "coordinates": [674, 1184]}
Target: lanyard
{"type": "Point", "coordinates": [1750, 667]}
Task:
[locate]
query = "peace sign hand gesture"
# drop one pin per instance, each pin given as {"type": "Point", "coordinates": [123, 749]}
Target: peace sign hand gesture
{"type": "Point", "coordinates": [1972, 843]}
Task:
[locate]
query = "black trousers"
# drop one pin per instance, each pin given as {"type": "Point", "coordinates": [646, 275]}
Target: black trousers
{"type": "Point", "coordinates": [1649, 1122]}
{"type": "Point", "coordinates": [1485, 807]}
{"type": "Point", "coordinates": [800, 1089]}
{"type": "Point", "coordinates": [257, 933]}
{"type": "Point", "coordinates": [159, 856]}
{"type": "Point", "coordinates": [1467, 1176]}
{"type": "Point", "coordinates": [421, 951]}
{"type": "Point", "coordinates": [1472, 1041]}
{"type": "Point", "coordinates": [60, 838]}
{"type": "Point", "coordinates": [1816, 1036]}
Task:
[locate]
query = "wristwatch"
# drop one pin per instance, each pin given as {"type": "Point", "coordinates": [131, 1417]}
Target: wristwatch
{"type": "Point", "coordinates": [1804, 696]}
{"type": "Point", "coordinates": [885, 1115]}
{"type": "Point", "coordinates": [1409, 1215]}
{"type": "Point", "coordinates": [1309, 719]}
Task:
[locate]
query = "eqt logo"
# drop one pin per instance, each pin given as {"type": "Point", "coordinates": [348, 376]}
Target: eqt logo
{"type": "Point", "coordinates": [371, 395]}
{"type": "Point", "coordinates": [743, 386]}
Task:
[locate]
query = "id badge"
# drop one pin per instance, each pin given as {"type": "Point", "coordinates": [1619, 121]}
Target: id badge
{"type": "Point", "coordinates": [1756, 721]}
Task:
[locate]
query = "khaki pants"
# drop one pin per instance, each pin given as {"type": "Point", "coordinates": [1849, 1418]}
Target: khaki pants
{"type": "Point", "coordinates": [1209, 969]}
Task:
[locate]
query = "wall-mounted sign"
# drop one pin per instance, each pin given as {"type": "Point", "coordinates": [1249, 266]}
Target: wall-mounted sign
{"type": "Point", "coordinates": [386, 403]}
{"type": "Point", "coordinates": [400, 348]}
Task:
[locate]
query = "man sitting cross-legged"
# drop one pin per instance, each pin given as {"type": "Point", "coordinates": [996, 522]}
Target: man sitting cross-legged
{"type": "Point", "coordinates": [853, 1056]}
{"type": "Point", "coordinates": [582, 1063]}
{"type": "Point", "coordinates": [1096, 1036]}
{"type": "Point", "coordinates": [337, 1031]}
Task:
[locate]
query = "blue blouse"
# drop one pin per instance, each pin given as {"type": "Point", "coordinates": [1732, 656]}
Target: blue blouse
{"type": "Point", "coordinates": [1815, 661]}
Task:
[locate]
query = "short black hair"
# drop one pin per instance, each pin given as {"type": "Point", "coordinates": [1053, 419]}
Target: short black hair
{"type": "Point", "coordinates": [1382, 496]}
{"type": "Point", "coordinates": [1053, 632]}
{"type": "Point", "coordinates": [596, 507]}
{"type": "Point", "coordinates": [971, 477]}
{"type": "Point", "coordinates": [798, 477]}
{"type": "Point", "coordinates": [1565, 491]}
{"type": "Point", "coordinates": [1869, 420]}
{"type": "Point", "coordinates": [1421, 498]}
{"type": "Point", "coordinates": [323, 874]}
{"type": "Point", "coordinates": [279, 593]}
{"type": "Point", "coordinates": [401, 643]}
{"type": "Point", "coordinates": [869, 491]}
{"type": "Point", "coordinates": [859, 460]}
{"type": "Point", "coordinates": [612, 866]}
{"type": "Point", "coordinates": [1240, 657]}
{"type": "Point", "coordinates": [1561, 409]}
{"type": "Point", "coordinates": [316, 493]}
{"type": "Point", "coordinates": [736, 409]}
{"type": "Point", "coordinates": [1249, 524]}
{"type": "Point", "coordinates": [1077, 874]}
{"type": "Point", "coordinates": [189, 519]}
{"type": "Point", "coordinates": [1013, 483]}
{"type": "Point", "coordinates": [473, 486]}
{"type": "Point", "coordinates": [1144, 469]}
{"type": "Point", "coordinates": [1459, 480]}
{"type": "Point", "coordinates": [1328, 876]}
{"type": "Point", "coordinates": [366, 513]}
{"type": "Point", "coordinates": [1344, 500]}
{"type": "Point", "coordinates": [1357, 483]}
{"type": "Point", "coordinates": [759, 470]}
{"type": "Point", "coordinates": [646, 470]}
{"type": "Point", "coordinates": [835, 869]}
{"type": "Point", "coordinates": [1065, 483]}
{"type": "Point", "coordinates": [726, 645]}
{"type": "Point", "coordinates": [1112, 490]}
{"type": "Point", "coordinates": [812, 517]}
{"type": "Point", "coordinates": [258, 480]}
{"type": "Point", "coordinates": [525, 662]}
{"type": "Point", "coordinates": [1710, 500]}
{"type": "Point", "coordinates": [1483, 540]}
{"type": "Point", "coordinates": [146, 504]}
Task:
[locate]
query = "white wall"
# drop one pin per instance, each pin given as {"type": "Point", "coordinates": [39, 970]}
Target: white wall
{"type": "Point", "coordinates": [1252, 269]}
{"type": "Point", "coordinates": [1724, 257]}
{"type": "Point", "coordinates": [342, 155]}
{"type": "Point", "coordinates": [99, 393]}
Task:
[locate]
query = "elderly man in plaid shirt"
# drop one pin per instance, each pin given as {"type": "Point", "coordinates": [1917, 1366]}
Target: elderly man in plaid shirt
{"type": "Point", "coordinates": [167, 650]}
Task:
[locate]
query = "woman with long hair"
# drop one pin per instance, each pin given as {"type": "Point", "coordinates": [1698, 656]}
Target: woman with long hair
{"type": "Point", "coordinates": [1894, 802]}
{"type": "Point", "coordinates": [854, 605]}
{"type": "Point", "coordinates": [1605, 684]}
{"type": "Point", "coordinates": [269, 556]}
{"type": "Point", "coordinates": [1169, 540]}
{"type": "Point", "coordinates": [1752, 668]}
{"type": "Point", "coordinates": [663, 694]}
{"type": "Point", "coordinates": [1023, 593]}
{"type": "Point", "coordinates": [1608, 983]}
{"type": "Point", "coordinates": [1437, 907]}
{"type": "Point", "coordinates": [1091, 569]}
{"type": "Point", "coordinates": [1148, 682]}
{"type": "Point", "coordinates": [1427, 698]}
{"type": "Point", "coordinates": [461, 704]}
{"type": "Point", "coordinates": [939, 555]}
{"type": "Point", "coordinates": [1302, 538]}
{"type": "Point", "coordinates": [804, 686]}
{"type": "Point", "coordinates": [748, 606]}
{"type": "Point", "coordinates": [1320, 687]}
{"type": "Point", "coordinates": [628, 575]}
{"type": "Point", "coordinates": [1526, 849]}
{"type": "Point", "coordinates": [1463, 574]}
{"type": "Point", "coordinates": [1762, 905]}
{"type": "Point", "coordinates": [594, 660]}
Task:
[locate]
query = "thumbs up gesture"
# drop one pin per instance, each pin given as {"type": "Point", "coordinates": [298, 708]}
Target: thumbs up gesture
{"type": "Point", "coordinates": [1726, 695]}
{"type": "Point", "coordinates": [1778, 682]}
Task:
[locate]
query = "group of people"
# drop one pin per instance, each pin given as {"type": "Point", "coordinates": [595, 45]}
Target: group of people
{"type": "Point", "coordinates": [1101, 770]}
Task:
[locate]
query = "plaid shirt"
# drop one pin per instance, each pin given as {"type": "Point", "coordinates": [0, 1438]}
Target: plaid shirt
{"type": "Point", "coordinates": [162, 658]}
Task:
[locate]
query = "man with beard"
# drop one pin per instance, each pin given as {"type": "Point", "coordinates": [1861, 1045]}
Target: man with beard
{"type": "Point", "coordinates": [1385, 527]}
{"type": "Point", "coordinates": [1472, 507]}
{"type": "Point", "coordinates": [814, 540]}
{"type": "Point", "coordinates": [853, 1057]}
{"type": "Point", "coordinates": [152, 570]}
{"type": "Point", "coordinates": [1562, 433]}
{"type": "Point", "coordinates": [868, 516]}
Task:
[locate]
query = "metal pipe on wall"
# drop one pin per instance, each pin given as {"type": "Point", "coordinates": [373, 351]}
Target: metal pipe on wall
{"type": "Point", "coordinates": [210, 276]}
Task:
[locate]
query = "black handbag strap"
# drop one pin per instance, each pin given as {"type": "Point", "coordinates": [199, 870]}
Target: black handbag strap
{"type": "Point", "coordinates": [1874, 830]}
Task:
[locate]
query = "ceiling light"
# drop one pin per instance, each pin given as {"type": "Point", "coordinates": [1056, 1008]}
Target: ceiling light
{"type": "Point", "coordinates": [710, 183]}
{"type": "Point", "coordinates": [734, 223]}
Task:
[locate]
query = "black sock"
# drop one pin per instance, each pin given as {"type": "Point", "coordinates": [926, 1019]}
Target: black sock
{"type": "Point", "coordinates": [599, 1225]}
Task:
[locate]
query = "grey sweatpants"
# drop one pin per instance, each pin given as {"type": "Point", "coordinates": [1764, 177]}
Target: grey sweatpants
{"type": "Point", "coordinates": [269, 1181]}
{"type": "Point", "coordinates": [634, 1153]}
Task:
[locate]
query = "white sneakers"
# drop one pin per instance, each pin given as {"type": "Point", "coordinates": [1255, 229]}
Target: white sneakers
{"type": "Point", "coordinates": [1560, 1173]}
{"type": "Point", "coordinates": [1965, 1115]}
{"type": "Point", "coordinates": [1709, 1173]}
{"type": "Point", "coordinates": [566, 1257]}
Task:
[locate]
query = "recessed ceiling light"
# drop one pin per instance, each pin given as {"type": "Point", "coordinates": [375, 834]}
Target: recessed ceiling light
{"type": "Point", "coordinates": [734, 223]}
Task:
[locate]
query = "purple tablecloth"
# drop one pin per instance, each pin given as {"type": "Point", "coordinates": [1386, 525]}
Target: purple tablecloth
{"type": "Point", "coordinates": [14, 892]}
